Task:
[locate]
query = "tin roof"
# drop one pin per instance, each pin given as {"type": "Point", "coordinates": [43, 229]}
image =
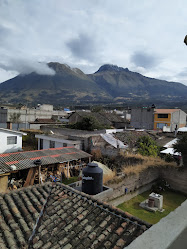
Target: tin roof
{"type": "Point", "coordinates": [25, 160]}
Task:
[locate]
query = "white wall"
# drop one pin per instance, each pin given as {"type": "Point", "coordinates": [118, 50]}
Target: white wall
{"type": "Point", "coordinates": [6, 148]}
{"type": "Point", "coordinates": [58, 144]}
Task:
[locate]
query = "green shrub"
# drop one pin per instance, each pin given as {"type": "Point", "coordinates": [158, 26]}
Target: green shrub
{"type": "Point", "coordinates": [147, 146]}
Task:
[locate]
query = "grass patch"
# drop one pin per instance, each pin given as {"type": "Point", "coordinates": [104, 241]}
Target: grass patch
{"type": "Point", "coordinates": [70, 180]}
{"type": "Point", "coordinates": [171, 201]}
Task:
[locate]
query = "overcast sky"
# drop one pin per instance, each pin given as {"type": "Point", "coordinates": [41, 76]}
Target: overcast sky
{"type": "Point", "coordinates": [146, 36]}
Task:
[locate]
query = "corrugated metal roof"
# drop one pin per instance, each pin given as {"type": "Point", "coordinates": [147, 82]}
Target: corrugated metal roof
{"type": "Point", "coordinates": [24, 160]}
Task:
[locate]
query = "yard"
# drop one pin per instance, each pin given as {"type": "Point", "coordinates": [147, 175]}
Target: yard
{"type": "Point", "coordinates": [171, 201]}
{"type": "Point", "coordinates": [70, 180]}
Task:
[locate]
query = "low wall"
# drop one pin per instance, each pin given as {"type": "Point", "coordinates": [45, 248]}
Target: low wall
{"type": "Point", "coordinates": [133, 183]}
{"type": "Point", "coordinates": [176, 177]}
{"type": "Point", "coordinates": [137, 184]}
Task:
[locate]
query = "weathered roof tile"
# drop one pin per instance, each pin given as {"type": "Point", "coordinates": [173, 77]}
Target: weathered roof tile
{"type": "Point", "coordinates": [59, 217]}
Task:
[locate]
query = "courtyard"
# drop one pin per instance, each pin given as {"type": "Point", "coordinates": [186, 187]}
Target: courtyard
{"type": "Point", "coordinates": [171, 200]}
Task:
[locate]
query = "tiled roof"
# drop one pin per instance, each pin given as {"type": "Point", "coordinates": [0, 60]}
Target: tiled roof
{"type": "Point", "coordinates": [165, 111]}
{"type": "Point", "coordinates": [113, 117]}
{"type": "Point", "coordinates": [43, 121]}
{"type": "Point", "coordinates": [99, 117]}
{"type": "Point", "coordinates": [24, 160]}
{"type": "Point", "coordinates": [53, 215]}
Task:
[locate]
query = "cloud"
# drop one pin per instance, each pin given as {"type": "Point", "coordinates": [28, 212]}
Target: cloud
{"type": "Point", "coordinates": [183, 73]}
{"type": "Point", "coordinates": [145, 60]}
{"type": "Point", "coordinates": [26, 66]}
{"type": "Point", "coordinates": [86, 34]}
{"type": "Point", "coordinates": [82, 47]}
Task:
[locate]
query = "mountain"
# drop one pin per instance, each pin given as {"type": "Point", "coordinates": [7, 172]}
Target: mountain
{"type": "Point", "coordinates": [124, 84]}
{"type": "Point", "coordinates": [67, 85]}
{"type": "Point", "coordinates": [110, 84]}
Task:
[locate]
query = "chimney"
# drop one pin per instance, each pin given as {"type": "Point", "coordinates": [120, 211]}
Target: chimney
{"type": "Point", "coordinates": [9, 125]}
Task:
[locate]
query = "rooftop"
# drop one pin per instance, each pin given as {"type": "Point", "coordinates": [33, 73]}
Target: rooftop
{"type": "Point", "coordinates": [25, 160]}
{"type": "Point", "coordinates": [53, 215]}
{"type": "Point", "coordinates": [165, 111]}
{"type": "Point", "coordinates": [12, 131]}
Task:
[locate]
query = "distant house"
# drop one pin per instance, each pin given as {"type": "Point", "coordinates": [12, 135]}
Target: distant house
{"type": "Point", "coordinates": [169, 119]}
{"type": "Point", "coordinates": [11, 141]}
{"type": "Point", "coordinates": [56, 141]}
{"type": "Point", "coordinates": [142, 118]}
{"type": "Point", "coordinates": [105, 119]}
{"type": "Point", "coordinates": [41, 121]}
{"type": "Point", "coordinates": [21, 117]}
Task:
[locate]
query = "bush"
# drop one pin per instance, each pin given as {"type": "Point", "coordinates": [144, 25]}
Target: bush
{"type": "Point", "coordinates": [147, 146]}
{"type": "Point", "coordinates": [88, 123]}
{"type": "Point", "coordinates": [181, 145]}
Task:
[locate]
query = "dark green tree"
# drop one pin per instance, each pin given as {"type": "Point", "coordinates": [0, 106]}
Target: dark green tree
{"type": "Point", "coordinates": [147, 146]}
{"type": "Point", "coordinates": [88, 123]}
{"type": "Point", "coordinates": [181, 146]}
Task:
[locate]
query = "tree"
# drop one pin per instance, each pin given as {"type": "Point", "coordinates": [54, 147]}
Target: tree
{"type": "Point", "coordinates": [181, 146]}
{"type": "Point", "coordinates": [15, 117]}
{"type": "Point", "coordinates": [88, 123]}
{"type": "Point", "coordinates": [147, 146]}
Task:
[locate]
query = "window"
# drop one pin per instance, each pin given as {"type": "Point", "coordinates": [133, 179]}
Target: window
{"type": "Point", "coordinates": [64, 145]}
{"type": "Point", "coordinates": [41, 144]}
{"type": "Point", "coordinates": [12, 140]}
{"type": "Point", "coordinates": [160, 125]}
{"type": "Point", "coordinates": [162, 115]}
{"type": "Point", "coordinates": [51, 144]}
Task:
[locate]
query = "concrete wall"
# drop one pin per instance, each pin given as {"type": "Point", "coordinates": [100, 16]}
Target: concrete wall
{"type": "Point", "coordinates": [142, 118]}
{"type": "Point", "coordinates": [179, 119]}
{"type": "Point", "coordinates": [136, 184]}
{"type": "Point", "coordinates": [28, 115]}
{"type": "Point", "coordinates": [176, 177]}
{"type": "Point", "coordinates": [133, 183]}
{"type": "Point", "coordinates": [6, 148]}
{"type": "Point", "coordinates": [3, 115]}
{"type": "Point", "coordinates": [58, 142]}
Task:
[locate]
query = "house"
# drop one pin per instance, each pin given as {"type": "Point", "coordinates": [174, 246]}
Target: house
{"type": "Point", "coordinates": [56, 141]}
{"type": "Point", "coordinates": [169, 119]}
{"type": "Point", "coordinates": [25, 165]}
{"type": "Point", "coordinates": [142, 118]}
{"type": "Point", "coordinates": [24, 116]}
{"type": "Point", "coordinates": [11, 141]}
{"type": "Point", "coordinates": [42, 121]}
{"type": "Point", "coordinates": [84, 140]}
{"type": "Point", "coordinates": [79, 115]}
{"type": "Point", "coordinates": [52, 215]}
{"type": "Point", "coordinates": [104, 118]}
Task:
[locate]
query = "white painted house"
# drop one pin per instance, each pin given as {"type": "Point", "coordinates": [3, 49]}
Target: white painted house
{"type": "Point", "coordinates": [10, 141]}
{"type": "Point", "coordinates": [56, 141]}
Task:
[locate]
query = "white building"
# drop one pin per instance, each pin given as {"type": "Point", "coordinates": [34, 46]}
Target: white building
{"type": "Point", "coordinates": [56, 141]}
{"type": "Point", "coordinates": [10, 141]}
{"type": "Point", "coordinates": [27, 115]}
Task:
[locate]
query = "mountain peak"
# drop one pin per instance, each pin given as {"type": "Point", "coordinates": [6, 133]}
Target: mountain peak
{"type": "Point", "coordinates": [111, 67]}
{"type": "Point", "coordinates": [64, 68]}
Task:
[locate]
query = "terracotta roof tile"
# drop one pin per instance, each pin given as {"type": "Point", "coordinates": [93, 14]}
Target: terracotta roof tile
{"type": "Point", "coordinates": [57, 216]}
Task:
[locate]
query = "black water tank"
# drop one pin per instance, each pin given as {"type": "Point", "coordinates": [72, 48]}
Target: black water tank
{"type": "Point", "coordinates": [92, 179]}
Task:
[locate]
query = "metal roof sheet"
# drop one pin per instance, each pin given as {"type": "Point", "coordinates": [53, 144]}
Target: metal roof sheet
{"type": "Point", "coordinates": [24, 160]}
